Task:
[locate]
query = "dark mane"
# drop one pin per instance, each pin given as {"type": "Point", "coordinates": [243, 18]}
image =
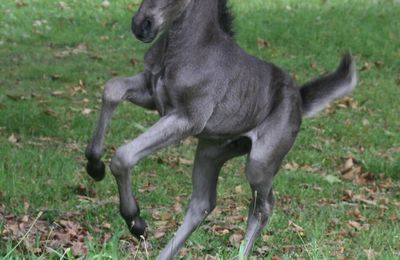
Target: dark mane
{"type": "Point", "coordinates": [225, 17]}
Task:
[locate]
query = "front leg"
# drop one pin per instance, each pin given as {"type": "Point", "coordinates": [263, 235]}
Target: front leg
{"type": "Point", "coordinates": [116, 90]}
{"type": "Point", "coordinates": [168, 130]}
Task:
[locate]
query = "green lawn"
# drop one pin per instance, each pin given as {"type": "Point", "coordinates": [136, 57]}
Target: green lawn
{"type": "Point", "coordinates": [54, 59]}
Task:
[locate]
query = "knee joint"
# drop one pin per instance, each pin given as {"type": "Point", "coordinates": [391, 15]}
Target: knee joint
{"type": "Point", "coordinates": [119, 164]}
{"type": "Point", "coordinates": [122, 162]}
{"type": "Point", "coordinates": [113, 91]}
{"type": "Point", "coordinates": [203, 207]}
{"type": "Point", "coordinates": [262, 211]}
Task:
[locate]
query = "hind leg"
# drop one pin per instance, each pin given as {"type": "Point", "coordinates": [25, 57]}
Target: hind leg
{"type": "Point", "coordinates": [260, 178]}
{"type": "Point", "coordinates": [115, 91]}
{"type": "Point", "coordinates": [210, 157]}
{"type": "Point", "coordinates": [271, 143]}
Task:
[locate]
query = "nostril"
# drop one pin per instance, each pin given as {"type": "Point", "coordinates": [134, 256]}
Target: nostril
{"type": "Point", "coordinates": [146, 25]}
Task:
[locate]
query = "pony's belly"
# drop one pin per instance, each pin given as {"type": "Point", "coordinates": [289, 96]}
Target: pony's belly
{"type": "Point", "coordinates": [227, 127]}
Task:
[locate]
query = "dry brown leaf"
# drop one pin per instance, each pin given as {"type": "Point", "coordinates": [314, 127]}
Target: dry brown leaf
{"type": "Point", "coordinates": [366, 66]}
{"type": "Point", "coordinates": [57, 93]}
{"type": "Point", "coordinates": [106, 225]}
{"type": "Point", "coordinates": [163, 216]}
{"type": "Point", "coordinates": [185, 161]}
{"type": "Point", "coordinates": [314, 66]}
{"type": "Point", "coordinates": [356, 214]}
{"type": "Point", "coordinates": [13, 139]}
{"type": "Point", "coordinates": [86, 111]}
{"type": "Point", "coordinates": [364, 199]}
{"type": "Point", "coordinates": [79, 49]}
{"type": "Point", "coordinates": [295, 228]}
{"type": "Point", "coordinates": [64, 6]}
{"type": "Point", "coordinates": [105, 4]}
{"type": "Point", "coordinates": [20, 3]}
{"type": "Point", "coordinates": [79, 249]}
{"type": "Point", "coordinates": [351, 171]}
{"type": "Point", "coordinates": [25, 219]}
{"type": "Point", "coordinates": [148, 187]}
{"type": "Point", "coordinates": [239, 189]}
{"type": "Point", "coordinates": [354, 224]}
{"type": "Point", "coordinates": [291, 166]}
{"type": "Point", "coordinates": [177, 207]}
{"type": "Point", "coordinates": [159, 235]}
{"type": "Point", "coordinates": [219, 231]}
{"type": "Point", "coordinates": [266, 238]}
{"type": "Point", "coordinates": [357, 225]}
{"type": "Point", "coordinates": [133, 61]}
{"type": "Point", "coordinates": [263, 43]}
{"type": "Point", "coordinates": [236, 239]}
{"type": "Point", "coordinates": [370, 253]}
{"type": "Point", "coordinates": [55, 77]}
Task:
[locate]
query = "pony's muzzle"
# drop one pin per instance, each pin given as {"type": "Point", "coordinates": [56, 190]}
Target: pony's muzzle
{"type": "Point", "coordinates": [143, 28]}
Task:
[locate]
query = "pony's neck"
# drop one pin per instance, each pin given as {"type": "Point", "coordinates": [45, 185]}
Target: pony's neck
{"type": "Point", "coordinates": [199, 22]}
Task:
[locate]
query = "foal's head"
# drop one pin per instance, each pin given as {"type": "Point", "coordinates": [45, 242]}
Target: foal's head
{"type": "Point", "coordinates": [154, 15]}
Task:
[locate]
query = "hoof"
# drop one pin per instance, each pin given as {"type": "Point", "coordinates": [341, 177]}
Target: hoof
{"type": "Point", "coordinates": [96, 170]}
{"type": "Point", "coordinates": [138, 228]}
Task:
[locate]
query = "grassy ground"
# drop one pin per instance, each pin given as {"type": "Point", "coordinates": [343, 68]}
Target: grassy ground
{"type": "Point", "coordinates": [54, 59]}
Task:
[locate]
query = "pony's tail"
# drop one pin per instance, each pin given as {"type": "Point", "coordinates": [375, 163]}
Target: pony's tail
{"type": "Point", "coordinates": [318, 93]}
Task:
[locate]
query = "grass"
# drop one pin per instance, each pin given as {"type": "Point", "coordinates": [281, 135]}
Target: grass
{"type": "Point", "coordinates": [54, 61]}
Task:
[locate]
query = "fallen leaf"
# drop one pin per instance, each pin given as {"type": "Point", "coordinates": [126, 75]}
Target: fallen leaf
{"type": "Point", "coordinates": [25, 219]}
{"type": "Point", "coordinates": [263, 43]}
{"type": "Point", "coordinates": [13, 139]}
{"type": "Point", "coordinates": [239, 189]}
{"type": "Point", "coordinates": [133, 61]}
{"type": "Point", "coordinates": [86, 111]}
{"type": "Point", "coordinates": [331, 179]}
{"type": "Point", "coordinates": [148, 187]}
{"type": "Point", "coordinates": [291, 166]}
{"type": "Point", "coordinates": [314, 66]}
{"type": "Point", "coordinates": [370, 253]}
{"type": "Point", "coordinates": [296, 228]}
{"type": "Point", "coordinates": [79, 49]}
{"type": "Point", "coordinates": [79, 249]}
{"type": "Point", "coordinates": [354, 224]}
{"type": "Point", "coordinates": [55, 77]}
{"type": "Point", "coordinates": [356, 214]}
{"type": "Point", "coordinates": [105, 4]}
{"type": "Point", "coordinates": [351, 171]}
{"type": "Point", "coordinates": [185, 161]}
{"type": "Point", "coordinates": [106, 225]}
{"type": "Point", "coordinates": [177, 206]}
{"type": "Point", "coordinates": [236, 239]}
{"type": "Point", "coordinates": [366, 66]}
{"type": "Point", "coordinates": [357, 226]}
{"type": "Point", "coordinates": [219, 231]}
{"type": "Point", "coordinates": [159, 235]}
{"type": "Point", "coordinates": [64, 6]}
{"type": "Point", "coordinates": [57, 93]}
{"type": "Point", "coordinates": [20, 3]}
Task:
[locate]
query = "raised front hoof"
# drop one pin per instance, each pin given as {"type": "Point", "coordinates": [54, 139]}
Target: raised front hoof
{"type": "Point", "coordinates": [96, 170]}
{"type": "Point", "coordinates": [138, 228]}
